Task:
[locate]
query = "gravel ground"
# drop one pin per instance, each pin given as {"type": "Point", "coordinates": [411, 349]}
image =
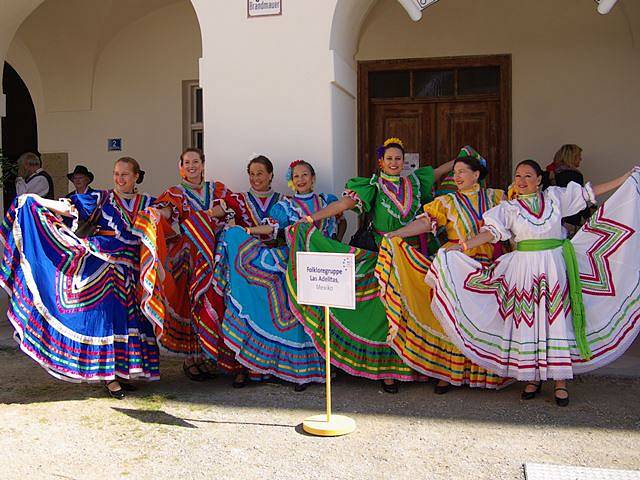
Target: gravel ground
{"type": "Point", "coordinates": [180, 429]}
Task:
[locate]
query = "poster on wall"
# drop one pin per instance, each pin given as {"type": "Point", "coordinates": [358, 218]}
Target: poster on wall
{"type": "Point", "coordinates": [263, 8]}
{"type": "Point", "coordinates": [411, 162]}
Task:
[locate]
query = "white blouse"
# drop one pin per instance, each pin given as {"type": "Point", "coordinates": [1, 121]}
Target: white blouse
{"type": "Point", "coordinates": [539, 215]}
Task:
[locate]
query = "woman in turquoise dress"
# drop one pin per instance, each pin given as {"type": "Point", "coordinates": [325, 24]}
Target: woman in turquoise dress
{"type": "Point", "coordinates": [258, 324]}
{"type": "Point", "coordinates": [391, 201]}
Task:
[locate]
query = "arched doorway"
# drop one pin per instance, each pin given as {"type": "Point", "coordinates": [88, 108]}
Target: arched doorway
{"type": "Point", "coordinates": [19, 126]}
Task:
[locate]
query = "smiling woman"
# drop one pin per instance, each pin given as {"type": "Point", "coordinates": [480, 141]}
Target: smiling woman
{"type": "Point", "coordinates": [75, 308]}
{"type": "Point", "coordinates": [189, 309]}
{"type": "Point", "coordinates": [391, 201]}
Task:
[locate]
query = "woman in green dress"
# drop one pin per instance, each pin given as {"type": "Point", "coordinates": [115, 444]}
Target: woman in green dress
{"type": "Point", "coordinates": [359, 337]}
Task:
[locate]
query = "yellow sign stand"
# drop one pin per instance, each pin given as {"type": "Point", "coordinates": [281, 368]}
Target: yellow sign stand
{"type": "Point", "coordinates": [328, 425]}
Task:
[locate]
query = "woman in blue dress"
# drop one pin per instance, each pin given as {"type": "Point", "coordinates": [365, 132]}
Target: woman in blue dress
{"type": "Point", "coordinates": [258, 324]}
{"type": "Point", "coordinates": [73, 297]}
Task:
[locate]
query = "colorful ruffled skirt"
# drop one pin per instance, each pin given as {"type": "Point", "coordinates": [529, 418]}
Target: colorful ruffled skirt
{"type": "Point", "coordinates": [178, 291]}
{"type": "Point", "coordinates": [414, 332]}
{"type": "Point", "coordinates": [73, 302]}
{"type": "Point", "coordinates": [359, 337]}
{"type": "Point", "coordinates": [258, 324]}
{"type": "Point", "coordinates": [514, 317]}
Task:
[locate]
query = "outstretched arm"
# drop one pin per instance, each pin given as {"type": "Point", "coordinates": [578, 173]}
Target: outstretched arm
{"type": "Point", "coordinates": [260, 230]}
{"type": "Point", "coordinates": [422, 224]}
{"type": "Point", "coordinates": [611, 184]}
{"type": "Point", "coordinates": [480, 239]}
{"type": "Point", "coordinates": [334, 209]}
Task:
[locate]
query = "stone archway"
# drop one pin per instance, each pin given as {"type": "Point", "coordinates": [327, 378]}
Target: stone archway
{"type": "Point", "coordinates": [124, 80]}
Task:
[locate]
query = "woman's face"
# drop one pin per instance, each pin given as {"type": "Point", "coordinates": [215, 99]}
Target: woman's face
{"type": "Point", "coordinates": [124, 178]}
{"type": "Point", "coordinates": [192, 167]}
{"type": "Point", "coordinates": [526, 180]}
{"type": "Point", "coordinates": [578, 159]}
{"type": "Point", "coordinates": [302, 179]}
{"type": "Point", "coordinates": [464, 177]}
{"type": "Point", "coordinates": [259, 177]}
{"type": "Point", "coordinates": [393, 161]}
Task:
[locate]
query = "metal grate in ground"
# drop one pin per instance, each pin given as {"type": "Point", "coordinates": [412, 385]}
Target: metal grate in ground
{"type": "Point", "coordinates": [544, 471]}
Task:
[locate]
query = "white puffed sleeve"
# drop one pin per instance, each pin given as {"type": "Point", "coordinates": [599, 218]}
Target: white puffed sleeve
{"type": "Point", "coordinates": [497, 221]}
{"type": "Point", "coordinates": [573, 198]}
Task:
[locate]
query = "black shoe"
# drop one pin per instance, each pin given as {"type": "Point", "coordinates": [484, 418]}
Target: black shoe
{"type": "Point", "coordinates": [389, 387]}
{"type": "Point", "coordinates": [242, 382]}
{"type": "Point", "coordinates": [193, 372]}
{"type": "Point", "coordinates": [205, 369]}
{"type": "Point", "coordinates": [561, 402]}
{"type": "Point", "coordinates": [441, 389]}
{"type": "Point", "coordinates": [128, 387]}
{"type": "Point", "coordinates": [529, 395]}
{"type": "Point", "coordinates": [300, 387]}
{"type": "Point", "coordinates": [117, 394]}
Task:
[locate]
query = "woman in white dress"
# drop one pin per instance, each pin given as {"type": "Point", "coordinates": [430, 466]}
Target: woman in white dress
{"type": "Point", "coordinates": [553, 307]}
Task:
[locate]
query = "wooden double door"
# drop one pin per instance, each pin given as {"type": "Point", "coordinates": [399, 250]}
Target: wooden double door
{"type": "Point", "coordinates": [455, 106]}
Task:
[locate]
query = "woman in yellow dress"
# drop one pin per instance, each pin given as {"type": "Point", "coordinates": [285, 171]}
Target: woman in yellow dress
{"type": "Point", "coordinates": [414, 333]}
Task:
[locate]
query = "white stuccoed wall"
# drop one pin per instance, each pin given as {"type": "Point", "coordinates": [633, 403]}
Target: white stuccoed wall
{"type": "Point", "coordinates": [267, 84]}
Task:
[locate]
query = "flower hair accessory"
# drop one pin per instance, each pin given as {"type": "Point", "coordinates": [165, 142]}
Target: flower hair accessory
{"type": "Point", "coordinates": [289, 177]}
{"type": "Point", "coordinates": [253, 156]}
{"type": "Point", "coordinates": [387, 142]}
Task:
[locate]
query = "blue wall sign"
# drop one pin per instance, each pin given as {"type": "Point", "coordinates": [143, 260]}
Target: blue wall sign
{"type": "Point", "coordinates": [114, 145]}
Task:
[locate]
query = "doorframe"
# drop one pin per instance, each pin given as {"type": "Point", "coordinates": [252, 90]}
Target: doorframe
{"type": "Point", "coordinates": [435, 63]}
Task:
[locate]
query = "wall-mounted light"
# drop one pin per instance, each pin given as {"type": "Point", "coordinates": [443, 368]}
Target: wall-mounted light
{"type": "Point", "coordinates": [414, 7]}
{"type": "Point", "coordinates": [605, 6]}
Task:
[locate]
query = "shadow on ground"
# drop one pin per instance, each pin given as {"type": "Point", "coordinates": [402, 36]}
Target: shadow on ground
{"type": "Point", "coordinates": [596, 402]}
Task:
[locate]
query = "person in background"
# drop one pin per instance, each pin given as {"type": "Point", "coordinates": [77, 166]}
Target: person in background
{"type": "Point", "coordinates": [568, 159]}
{"type": "Point", "coordinates": [81, 178]}
{"type": "Point", "coordinates": [32, 178]}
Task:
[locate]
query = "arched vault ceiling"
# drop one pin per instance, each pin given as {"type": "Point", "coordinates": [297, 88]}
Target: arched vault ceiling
{"type": "Point", "coordinates": [66, 37]}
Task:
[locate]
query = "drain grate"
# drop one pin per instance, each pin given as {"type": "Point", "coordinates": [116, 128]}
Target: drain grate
{"type": "Point", "coordinates": [544, 471]}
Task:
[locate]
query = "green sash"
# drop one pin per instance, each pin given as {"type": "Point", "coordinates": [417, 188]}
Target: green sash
{"type": "Point", "coordinates": [575, 286]}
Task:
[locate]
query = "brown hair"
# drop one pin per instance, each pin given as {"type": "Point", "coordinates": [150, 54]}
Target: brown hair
{"type": "Point", "coordinates": [192, 150]}
{"type": "Point", "coordinates": [262, 160]}
{"type": "Point", "coordinates": [134, 165]}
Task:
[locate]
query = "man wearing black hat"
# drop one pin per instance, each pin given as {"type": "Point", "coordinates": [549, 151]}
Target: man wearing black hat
{"type": "Point", "coordinates": [81, 177]}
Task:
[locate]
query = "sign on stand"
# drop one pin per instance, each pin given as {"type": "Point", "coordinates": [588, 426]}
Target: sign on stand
{"type": "Point", "coordinates": [327, 280]}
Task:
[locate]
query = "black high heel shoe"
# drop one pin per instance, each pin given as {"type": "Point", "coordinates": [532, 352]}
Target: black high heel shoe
{"type": "Point", "coordinates": [441, 389]}
{"type": "Point", "coordinates": [117, 394]}
{"type": "Point", "coordinates": [389, 387]}
{"type": "Point", "coordinates": [128, 387]}
{"type": "Point", "coordinates": [561, 402]}
{"type": "Point", "coordinates": [196, 376]}
{"type": "Point", "coordinates": [240, 382]}
{"type": "Point", "coordinates": [529, 395]}
{"type": "Point", "coordinates": [300, 387]}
